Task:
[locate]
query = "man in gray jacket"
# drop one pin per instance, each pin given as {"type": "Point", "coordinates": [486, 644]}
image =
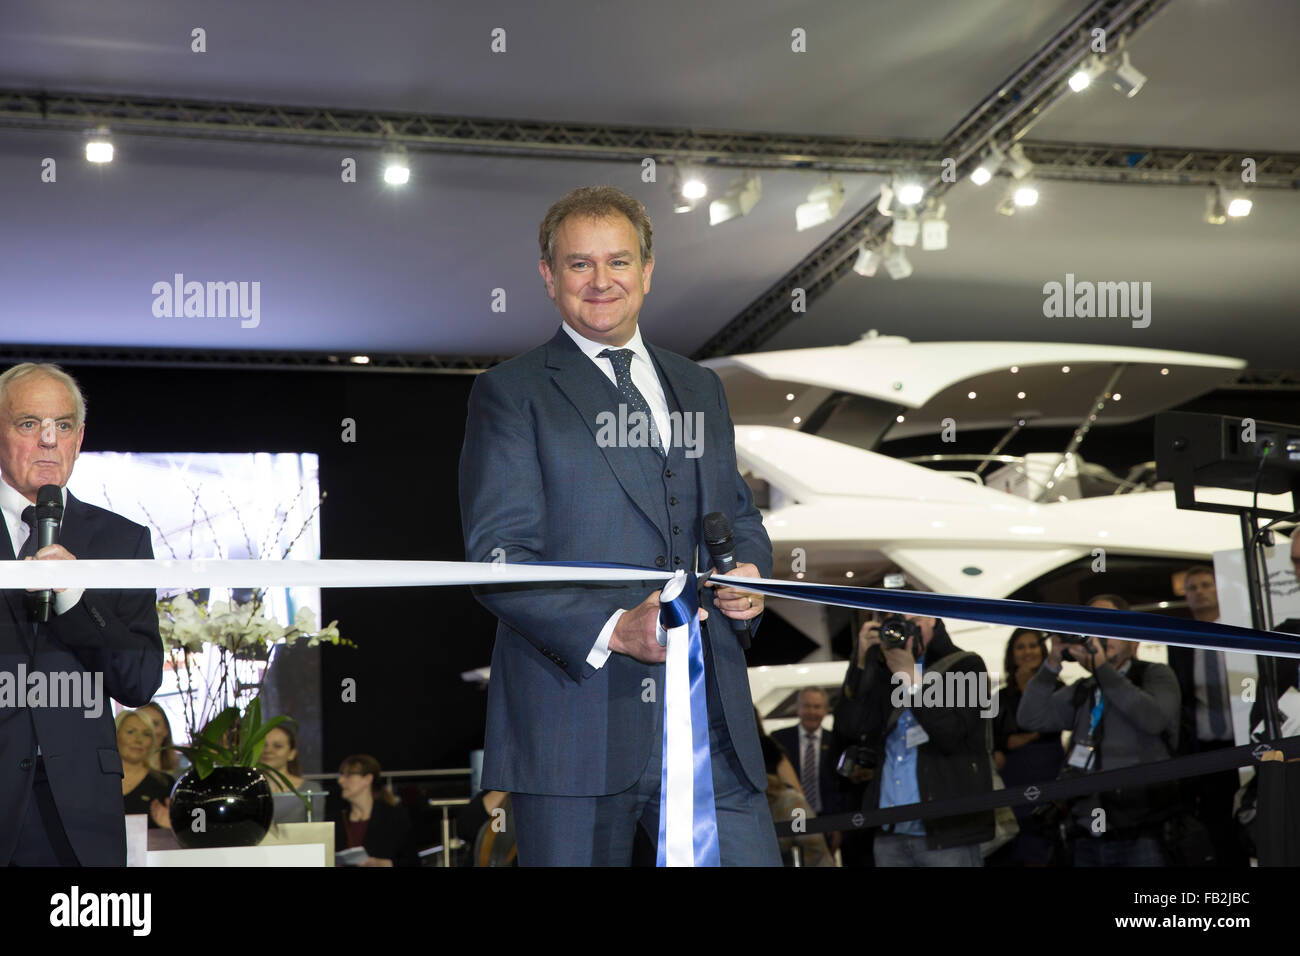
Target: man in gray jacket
{"type": "Point", "coordinates": [1125, 714]}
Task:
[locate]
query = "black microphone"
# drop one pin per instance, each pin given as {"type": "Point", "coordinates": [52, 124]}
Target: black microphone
{"type": "Point", "coordinates": [722, 548]}
{"type": "Point", "coordinates": [49, 515]}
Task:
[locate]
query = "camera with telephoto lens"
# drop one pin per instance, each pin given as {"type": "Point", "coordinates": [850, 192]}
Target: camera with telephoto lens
{"type": "Point", "coordinates": [896, 629]}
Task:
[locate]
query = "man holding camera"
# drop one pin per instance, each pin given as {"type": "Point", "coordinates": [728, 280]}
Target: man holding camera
{"type": "Point", "coordinates": [922, 750]}
{"type": "Point", "coordinates": [1125, 714]}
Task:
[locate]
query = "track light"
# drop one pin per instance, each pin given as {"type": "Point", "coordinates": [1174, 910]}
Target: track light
{"type": "Point", "coordinates": [397, 169]}
{"type": "Point", "coordinates": [910, 192]}
{"type": "Point", "coordinates": [988, 166]}
{"type": "Point", "coordinates": [1216, 212]}
{"type": "Point", "coordinates": [906, 229]}
{"type": "Point", "coordinates": [896, 263]}
{"type": "Point", "coordinates": [823, 205]}
{"type": "Point", "coordinates": [1018, 196]}
{"type": "Point", "coordinates": [1127, 79]}
{"type": "Point", "coordinates": [687, 187]}
{"type": "Point", "coordinates": [741, 197]}
{"type": "Point", "coordinates": [934, 227]}
{"type": "Point", "coordinates": [1240, 206]}
{"type": "Point", "coordinates": [885, 205]}
{"type": "Point", "coordinates": [1017, 164]}
{"type": "Point", "coordinates": [1026, 194]}
{"type": "Point", "coordinates": [868, 261]}
{"type": "Point", "coordinates": [1083, 76]}
{"type": "Point", "coordinates": [99, 148]}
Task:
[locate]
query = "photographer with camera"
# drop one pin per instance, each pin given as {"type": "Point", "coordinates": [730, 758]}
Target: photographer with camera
{"type": "Point", "coordinates": [921, 750]}
{"type": "Point", "coordinates": [1125, 714]}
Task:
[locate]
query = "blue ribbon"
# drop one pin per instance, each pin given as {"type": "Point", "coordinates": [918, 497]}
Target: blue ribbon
{"type": "Point", "coordinates": [682, 611]}
{"type": "Point", "coordinates": [1052, 618]}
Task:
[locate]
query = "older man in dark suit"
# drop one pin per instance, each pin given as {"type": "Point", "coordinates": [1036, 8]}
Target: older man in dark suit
{"type": "Point", "coordinates": [576, 703]}
{"type": "Point", "coordinates": [60, 771]}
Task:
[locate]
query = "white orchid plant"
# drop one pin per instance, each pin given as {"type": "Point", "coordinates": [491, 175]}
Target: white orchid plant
{"type": "Point", "coordinates": [225, 725]}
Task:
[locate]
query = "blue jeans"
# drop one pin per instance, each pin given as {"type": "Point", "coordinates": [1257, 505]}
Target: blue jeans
{"type": "Point", "coordinates": [1141, 851]}
{"type": "Point", "coordinates": [902, 850]}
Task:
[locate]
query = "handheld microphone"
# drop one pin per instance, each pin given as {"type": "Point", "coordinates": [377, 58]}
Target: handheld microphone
{"type": "Point", "coordinates": [49, 515]}
{"type": "Point", "coordinates": [722, 548]}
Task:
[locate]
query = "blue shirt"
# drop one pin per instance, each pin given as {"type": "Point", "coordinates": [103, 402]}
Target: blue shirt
{"type": "Point", "coordinates": [898, 784]}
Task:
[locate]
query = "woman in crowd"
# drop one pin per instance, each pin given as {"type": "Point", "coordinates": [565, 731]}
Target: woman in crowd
{"type": "Point", "coordinates": [373, 819]}
{"type": "Point", "coordinates": [280, 752]}
{"type": "Point", "coordinates": [165, 757]}
{"type": "Point", "coordinates": [144, 790]}
{"type": "Point", "coordinates": [1024, 757]}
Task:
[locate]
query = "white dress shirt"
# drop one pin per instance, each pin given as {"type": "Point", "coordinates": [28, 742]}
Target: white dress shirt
{"type": "Point", "coordinates": [646, 379]}
{"type": "Point", "coordinates": [12, 504]}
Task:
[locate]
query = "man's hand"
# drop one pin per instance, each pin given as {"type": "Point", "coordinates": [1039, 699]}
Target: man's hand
{"type": "Point", "coordinates": [53, 552]}
{"type": "Point", "coordinates": [901, 661]}
{"type": "Point", "coordinates": [736, 604]}
{"type": "Point", "coordinates": [637, 632]}
{"type": "Point", "coordinates": [1055, 651]}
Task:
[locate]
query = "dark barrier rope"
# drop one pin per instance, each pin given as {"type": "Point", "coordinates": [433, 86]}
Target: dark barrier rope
{"type": "Point", "coordinates": [1193, 765]}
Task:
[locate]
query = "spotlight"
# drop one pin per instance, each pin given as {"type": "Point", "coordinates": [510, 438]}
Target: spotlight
{"type": "Point", "coordinates": [397, 171]}
{"type": "Point", "coordinates": [896, 263]}
{"type": "Point", "coordinates": [1239, 207]}
{"type": "Point", "coordinates": [906, 230]}
{"type": "Point", "coordinates": [1127, 79]}
{"type": "Point", "coordinates": [885, 205]}
{"type": "Point", "coordinates": [1082, 77]}
{"type": "Point", "coordinates": [687, 187]}
{"type": "Point", "coordinates": [99, 148]}
{"type": "Point", "coordinates": [934, 227]}
{"type": "Point", "coordinates": [823, 205]}
{"type": "Point", "coordinates": [1017, 196]}
{"type": "Point", "coordinates": [1026, 195]}
{"type": "Point", "coordinates": [1017, 164]}
{"type": "Point", "coordinates": [739, 200]}
{"type": "Point", "coordinates": [867, 263]}
{"type": "Point", "coordinates": [1216, 214]}
{"type": "Point", "coordinates": [910, 192]}
{"type": "Point", "coordinates": [989, 165]}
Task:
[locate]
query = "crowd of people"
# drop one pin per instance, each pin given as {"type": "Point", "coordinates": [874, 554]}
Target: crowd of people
{"type": "Point", "coordinates": [892, 749]}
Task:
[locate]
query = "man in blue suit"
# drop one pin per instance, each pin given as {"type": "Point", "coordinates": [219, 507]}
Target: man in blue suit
{"type": "Point", "coordinates": [60, 771]}
{"type": "Point", "coordinates": [575, 703]}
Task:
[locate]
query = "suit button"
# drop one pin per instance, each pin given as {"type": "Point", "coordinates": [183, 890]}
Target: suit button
{"type": "Point", "coordinates": [677, 560]}
{"type": "Point", "coordinates": [25, 763]}
{"type": "Point", "coordinates": [676, 530]}
{"type": "Point", "coordinates": [672, 500]}
{"type": "Point", "coordinates": [660, 561]}
{"type": "Point", "coordinates": [668, 473]}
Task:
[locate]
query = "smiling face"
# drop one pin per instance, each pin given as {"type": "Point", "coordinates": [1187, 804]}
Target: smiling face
{"type": "Point", "coordinates": [599, 280]}
{"type": "Point", "coordinates": [812, 709]}
{"type": "Point", "coordinates": [39, 435]}
{"type": "Point", "coordinates": [276, 752]}
{"type": "Point", "coordinates": [134, 739]}
{"type": "Point", "coordinates": [1028, 651]}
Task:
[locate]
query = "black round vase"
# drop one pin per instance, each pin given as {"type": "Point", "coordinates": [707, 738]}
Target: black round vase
{"type": "Point", "coordinates": [236, 804]}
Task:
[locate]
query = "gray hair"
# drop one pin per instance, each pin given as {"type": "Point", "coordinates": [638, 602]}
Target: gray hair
{"type": "Point", "coordinates": [50, 371]}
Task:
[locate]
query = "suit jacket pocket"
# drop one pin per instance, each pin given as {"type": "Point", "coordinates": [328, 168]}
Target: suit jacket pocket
{"type": "Point", "coordinates": [110, 761]}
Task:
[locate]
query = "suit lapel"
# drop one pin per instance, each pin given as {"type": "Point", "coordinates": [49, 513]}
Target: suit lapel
{"type": "Point", "coordinates": [585, 387]}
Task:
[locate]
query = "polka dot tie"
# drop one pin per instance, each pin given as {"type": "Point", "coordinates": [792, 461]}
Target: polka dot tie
{"type": "Point", "coordinates": [621, 359]}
